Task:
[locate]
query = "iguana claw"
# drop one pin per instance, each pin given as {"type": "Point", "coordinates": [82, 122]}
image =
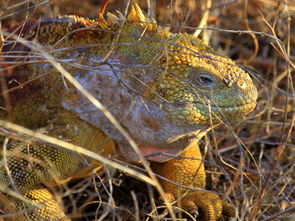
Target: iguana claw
{"type": "Point", "coordinates": [209, 206]}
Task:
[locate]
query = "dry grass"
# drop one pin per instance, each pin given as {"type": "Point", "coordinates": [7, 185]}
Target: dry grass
{"type": "Point", "coordinates": [253, 160]}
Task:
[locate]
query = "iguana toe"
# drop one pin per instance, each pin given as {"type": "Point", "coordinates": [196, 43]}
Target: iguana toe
{"type": "Point", "coordinates": [208, 206]}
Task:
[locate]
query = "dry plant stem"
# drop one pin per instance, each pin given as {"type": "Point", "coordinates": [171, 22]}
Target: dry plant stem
{"type": "Point", "coordinates": [1, 36]}
{"type": "Point", "coordinates": [290, 85]}
{"type": "Point", "coordinates": [110, 200]}
{"type": "Point", "coordinates": [255, 41]}
{"type": "Point", "coordinates": [135, 203]}
{"type": "Point", "coordinates": [271, 98]}
{"type": "Point", "coordinates": [186, 17]}
{"type": "Point", "coordinates": [203, 23]}
{"type": "Point", "coordinates": [15, 5]}
{"type": "Point", "coordinates": [289, 210]}
{"type": "Point", "coordinates": [236, 178]}
{"type": "Point", "coordinates": [243, 145]}
{"type": "Point", "coordinates": [153, 202]}
{"type": "Point", "coordinates": [102, 10]}
{"type": "Point", "coordinates": [45, 2]}
{"type": "Point", "coordinates": [51, 140]}
{"type": "Point", "coordinates": [4, 92]}
{"type": "Point", "coordinates": [4, 152]}
{"type": "Point", "coordinates": [26, 83]}
{"type": "Point", "coordinates": [285, 54]}
{"type": "Point", "coordinates": [281, 47]}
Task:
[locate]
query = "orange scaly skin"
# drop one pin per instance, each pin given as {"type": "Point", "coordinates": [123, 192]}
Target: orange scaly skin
{"type": "Point", "coordinates": [165, 89]}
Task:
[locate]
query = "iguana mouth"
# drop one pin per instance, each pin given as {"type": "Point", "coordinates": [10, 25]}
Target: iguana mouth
{"type": "Point", "coordinates": [196, 114]}
{"type": "Point", "coordinates": [217, 107]}
{"type": "Point", "coordinates": [232, 108]}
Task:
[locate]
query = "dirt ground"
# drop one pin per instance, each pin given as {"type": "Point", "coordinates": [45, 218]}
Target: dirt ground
{"type": "Point", "coordinates": [258, 168]}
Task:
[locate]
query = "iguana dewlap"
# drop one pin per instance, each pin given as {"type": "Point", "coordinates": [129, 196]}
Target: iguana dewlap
{"type": "Point", "coordinates": [167, 90]}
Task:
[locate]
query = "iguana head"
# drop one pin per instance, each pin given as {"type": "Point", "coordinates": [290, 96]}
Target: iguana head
{"type": "Point", "coordinates": [202, 87]}
{"type": "Point", "coordinates": [198, 89]}
{"type": "Point", "coordinates": [193, 83]}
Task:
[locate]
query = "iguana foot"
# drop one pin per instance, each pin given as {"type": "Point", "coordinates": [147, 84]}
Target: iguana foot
{"type": "Point", "coordinates": [207, 206]}
{"type": "Point", "coordinates": [204, 206]}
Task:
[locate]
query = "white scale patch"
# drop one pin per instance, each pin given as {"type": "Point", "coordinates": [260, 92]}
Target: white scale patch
{"type": "Point", "coordinates": [103, 82]}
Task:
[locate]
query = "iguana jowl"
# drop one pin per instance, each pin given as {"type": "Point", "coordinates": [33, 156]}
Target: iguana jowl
{"type": "Point", "coordinates": [167, 90]}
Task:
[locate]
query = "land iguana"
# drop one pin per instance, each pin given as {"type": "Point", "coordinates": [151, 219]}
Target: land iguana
{"type": "Point", "coordinates": [165, 89]}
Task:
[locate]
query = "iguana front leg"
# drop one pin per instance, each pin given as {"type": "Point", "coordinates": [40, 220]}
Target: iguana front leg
{"type": "Point", "coordinates": [188, 170]}
{"type": "Point", "coordinates": [40, 204]}
{"type": "Point", "coordinates": [34, 167]}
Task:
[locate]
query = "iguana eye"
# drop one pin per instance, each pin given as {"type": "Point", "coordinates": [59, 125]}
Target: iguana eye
{"type": "Point", "coordinates": [206, 79]}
